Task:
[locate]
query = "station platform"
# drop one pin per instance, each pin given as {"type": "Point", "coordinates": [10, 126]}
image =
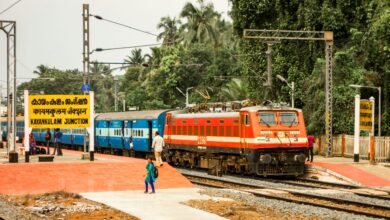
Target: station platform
{"type": "Point", "coordinates": [70, 173]}
{"type": "Point", "coordinates": [361, 173]}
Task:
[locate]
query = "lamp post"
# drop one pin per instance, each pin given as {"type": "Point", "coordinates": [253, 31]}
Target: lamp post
{"type": "Point", "coordinates": [291, 86]}
{"type": "Point", "coordinates": [186, 94]}
{"type": "Point", "coordinates": [379, 102]}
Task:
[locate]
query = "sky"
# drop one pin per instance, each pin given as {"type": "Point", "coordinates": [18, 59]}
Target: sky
{"type": "Point", "coordinates": [49, 32]}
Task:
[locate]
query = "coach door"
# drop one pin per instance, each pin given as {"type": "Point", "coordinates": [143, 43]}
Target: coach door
{"type": "Point", "coordinates": [244, 122]}
{"type": "Point", "coordinates": [168, 127]}
{"type": "Point", "coordinates": [150, 133]}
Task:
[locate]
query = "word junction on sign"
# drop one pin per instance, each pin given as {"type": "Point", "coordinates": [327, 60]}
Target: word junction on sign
{"type": "Point", "coordinates": [59, 111]}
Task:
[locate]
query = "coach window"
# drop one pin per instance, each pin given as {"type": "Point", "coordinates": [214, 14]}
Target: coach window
{"type": "Point", "coordinates": [208, 122]}
{"type": "Point", "coordinates": [235, 122]}
{"type": "Point", "coordinates": [246, 119]}
{"type": "Point", "coordinates": [221, 122]}
{"type": "Point", "coordinates": [267, 118]}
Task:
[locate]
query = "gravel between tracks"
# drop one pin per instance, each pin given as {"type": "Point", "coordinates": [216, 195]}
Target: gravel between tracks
{"type": "Point", "coordinates": [265, 183]}
{"type": "Point", "coordinates": [287, 208]}
{"type": "Point", "coordinates": [249, 180]}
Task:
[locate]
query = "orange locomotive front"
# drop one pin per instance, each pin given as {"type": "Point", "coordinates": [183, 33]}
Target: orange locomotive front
{"type": "Point", "coordinates": [258, 140]}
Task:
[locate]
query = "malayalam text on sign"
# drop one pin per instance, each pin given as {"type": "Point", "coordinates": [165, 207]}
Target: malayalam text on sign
{"type": "Point", "coordinates": [59, 111]}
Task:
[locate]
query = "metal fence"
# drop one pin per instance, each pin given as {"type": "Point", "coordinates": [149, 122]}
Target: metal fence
{"type": "Point", "coordinates": [343, 147]}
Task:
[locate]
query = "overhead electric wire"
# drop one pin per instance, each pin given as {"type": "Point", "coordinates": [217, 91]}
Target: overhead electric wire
{"type": "Point", "coordinates": [123, 25]}
{"type": "Point", "coordinates": [9, 7]}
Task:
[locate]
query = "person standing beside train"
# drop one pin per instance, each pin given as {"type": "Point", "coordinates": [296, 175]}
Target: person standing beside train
{"type": "Point", "coordinates": [47, 139]}
{"type": "Point", "coordinates": [57, 142]}
{"type": "Point", "coordinates": [158, 144]}
{"type": "Point", "coordinates": [310, 140]}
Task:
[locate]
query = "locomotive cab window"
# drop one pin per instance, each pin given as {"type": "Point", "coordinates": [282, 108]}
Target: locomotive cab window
{"type": "Point", "coordinates": [267, 118]}
{"type": "Point", "coordinates": [288, 118]}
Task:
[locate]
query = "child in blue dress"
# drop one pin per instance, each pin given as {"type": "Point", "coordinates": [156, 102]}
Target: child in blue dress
{"type": "Point", "coordinates": [149, 176]}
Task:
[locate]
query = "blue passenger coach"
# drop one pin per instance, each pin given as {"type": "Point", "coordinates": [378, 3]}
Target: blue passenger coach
{"type": "Point", "coordinates": [114, 130]}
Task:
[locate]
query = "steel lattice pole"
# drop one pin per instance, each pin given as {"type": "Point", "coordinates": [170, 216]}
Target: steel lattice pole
{"type": "Point", "coordinates": [329, 96]}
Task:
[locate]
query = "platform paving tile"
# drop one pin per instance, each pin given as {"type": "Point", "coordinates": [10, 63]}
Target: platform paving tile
{"type": "Point", "coordinates": [34, 178]}
{"type": "Point", "coordinates": [165, 204]}
{"type": "Point", "coordinates": [355, 173]}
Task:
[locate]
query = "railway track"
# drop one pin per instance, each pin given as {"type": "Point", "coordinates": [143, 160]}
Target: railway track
{"type": "Point", "coordinates": [295, 196]}
{"type": "Point", "coordinates": [310, 183]}
{"type": "Point", "coordinates": [357, 190]}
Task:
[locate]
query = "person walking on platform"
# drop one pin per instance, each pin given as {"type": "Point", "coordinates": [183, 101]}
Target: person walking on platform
{"type": "Point", "coordinates": [32, 144]}
{"type": "Point", "coordinates": [47, 139]}
{"type": "Point", "coordinates": [57, 142]}
{"type": "Point", "coordinates": [149, 176]}
{"type": "Point", "coordinates": [310, 140]}
{"type": "Point", "coordinates": [158, 144]}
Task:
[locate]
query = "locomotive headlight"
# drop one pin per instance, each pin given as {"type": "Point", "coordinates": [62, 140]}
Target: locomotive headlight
{"type": "Point", "coordinates": [265, 158]}
{"type": "Point", "coordinates": [300, 158]}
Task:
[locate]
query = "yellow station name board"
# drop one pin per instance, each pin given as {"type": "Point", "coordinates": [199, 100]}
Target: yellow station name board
{"type": "Point", "coordinates": [365, 115]}
{"type": "Point", "coordinates": [59, 111]}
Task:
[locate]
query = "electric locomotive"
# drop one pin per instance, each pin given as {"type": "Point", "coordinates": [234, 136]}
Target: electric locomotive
{"type": "Point", "coordinates": [260, 140]}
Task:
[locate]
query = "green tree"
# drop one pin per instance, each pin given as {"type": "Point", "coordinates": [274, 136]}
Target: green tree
{"type": "Point", "coordinates": [170, 33]}
{"type": "Point", "coordinates": [201, 23]}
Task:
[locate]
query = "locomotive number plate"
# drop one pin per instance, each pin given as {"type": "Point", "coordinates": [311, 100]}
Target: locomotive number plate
{"type": "Point", "coordinates": [281, 134]}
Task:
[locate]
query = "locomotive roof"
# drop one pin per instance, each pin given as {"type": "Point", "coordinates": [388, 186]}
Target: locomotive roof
{"type": "Point", "coordinates": [130, 115]}
{"type": "Point", "coordinates": [208, 115]}
{"type": "Point", "coordinates": [262, 107]}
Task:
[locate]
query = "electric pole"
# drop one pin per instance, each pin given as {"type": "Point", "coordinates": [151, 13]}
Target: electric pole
{"type": "Point", "coordinates": [327, 36]}
{"type": "Point", "coordinates": [86, 81]}
{"type": "Point", "coordinates": [9, 28]}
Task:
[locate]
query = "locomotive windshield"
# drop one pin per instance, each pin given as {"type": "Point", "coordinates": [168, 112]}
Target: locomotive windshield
{"type": "Point", "coordinates": [267, 118]}
{"type": "Point", "coordinates": [289, 118]}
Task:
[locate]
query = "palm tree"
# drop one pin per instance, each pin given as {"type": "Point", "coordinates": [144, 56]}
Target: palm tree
{"type": "Point", "coordinates": [170, 33]}
{"type": "Point", "coordinates": [201, 23]}
{"type": "Point", "coordinates": [41, 70]}
{"type": "Point", "coordinates": [236, 89]}
{"type": "Point", "coordinates": [135, 58]}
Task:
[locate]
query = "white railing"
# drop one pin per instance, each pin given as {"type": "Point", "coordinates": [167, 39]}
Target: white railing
{"type": "Point", "coordinates": [382, 147]}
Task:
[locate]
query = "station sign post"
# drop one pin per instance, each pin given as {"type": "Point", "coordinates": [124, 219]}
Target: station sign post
{"type": "Point", "coordinates": [59, 111]}
{"type": "Point", "coordinates": [364, 120]}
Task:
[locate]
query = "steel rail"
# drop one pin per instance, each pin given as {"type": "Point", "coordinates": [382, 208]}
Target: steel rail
{"type": "Point", "coordinates": [325, 198]}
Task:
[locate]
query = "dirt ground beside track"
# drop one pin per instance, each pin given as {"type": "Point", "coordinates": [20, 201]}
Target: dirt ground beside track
{"type": "Point", "coordinates": [238, 210]}
{"type": "Point", "coordinates": [59, 205]}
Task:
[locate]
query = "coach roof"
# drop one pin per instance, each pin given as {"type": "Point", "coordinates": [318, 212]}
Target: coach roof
{"type": "Point", "coordinates": [131, 115]}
